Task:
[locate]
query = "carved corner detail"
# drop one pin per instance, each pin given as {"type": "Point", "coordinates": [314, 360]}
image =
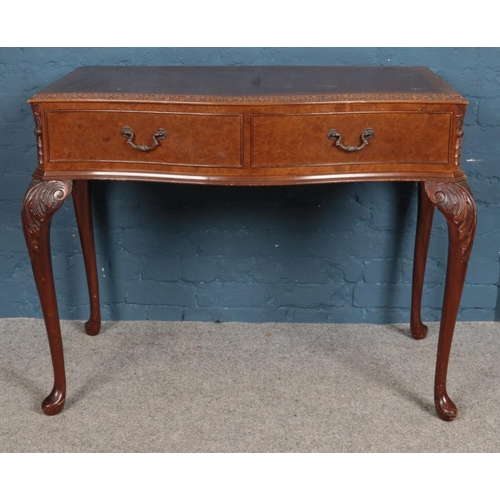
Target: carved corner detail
{"type": "Point", "coordinates": [457, 204]}
{"type": "Point", "coordinates": [42, 200]}
{"type": "Point", "coordinates": [460, 133]}
{"type": "Point", "coordinates": [38, 132]}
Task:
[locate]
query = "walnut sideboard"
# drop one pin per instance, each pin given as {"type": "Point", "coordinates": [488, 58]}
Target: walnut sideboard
{"type": "Point", "coordinates": [250, 126]}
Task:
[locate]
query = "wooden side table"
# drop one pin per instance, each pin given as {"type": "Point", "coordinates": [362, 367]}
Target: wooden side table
{"type": "Point", "coordinates": [250, 126]}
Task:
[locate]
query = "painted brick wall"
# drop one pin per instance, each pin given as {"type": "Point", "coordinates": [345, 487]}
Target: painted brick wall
{"type": "Point", "coordinates": [339, 253]}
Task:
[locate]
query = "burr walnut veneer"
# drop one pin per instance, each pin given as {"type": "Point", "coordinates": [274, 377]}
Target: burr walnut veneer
{"type": "Point", "coordinates": [250, 126]}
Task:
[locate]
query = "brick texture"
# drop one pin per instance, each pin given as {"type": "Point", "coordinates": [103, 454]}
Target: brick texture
{"type": "Point", "coordinates": [337, 253]}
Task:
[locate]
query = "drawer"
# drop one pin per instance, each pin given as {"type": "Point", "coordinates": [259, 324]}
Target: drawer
{"type": "Point", "coordinates": [301, 139]}
{"type": "Point", "coordinates": [195, 140]}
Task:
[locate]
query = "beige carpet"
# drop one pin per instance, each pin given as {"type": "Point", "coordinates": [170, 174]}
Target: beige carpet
{"type": "Point", "coordinates": [239, 387]}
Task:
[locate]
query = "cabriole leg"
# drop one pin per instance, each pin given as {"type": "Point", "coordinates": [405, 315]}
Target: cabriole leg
{"type": "Point", "coordinates": [81, 200]}
{"type": "Point", "coordinates": [457, 204]}
{"type": "Point", "coordinates": [424, 225]}
{"type": "Point", "coordinates": [41, 201]}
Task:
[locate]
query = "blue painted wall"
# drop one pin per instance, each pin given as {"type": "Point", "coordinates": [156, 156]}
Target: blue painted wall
{"type": "Point", "coordinates": [340, 253]}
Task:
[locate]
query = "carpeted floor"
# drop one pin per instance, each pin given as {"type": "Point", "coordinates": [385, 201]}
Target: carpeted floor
{"type": "Point", "coordinates": [239, 387]}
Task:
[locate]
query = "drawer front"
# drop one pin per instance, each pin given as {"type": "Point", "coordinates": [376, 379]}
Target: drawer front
{"type": "Point", "coordinates": [301, 140]}
{"type": "Point", "coordinates": [196, 140]}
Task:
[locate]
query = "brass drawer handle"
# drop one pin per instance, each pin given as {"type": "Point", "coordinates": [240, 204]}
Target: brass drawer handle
{"type": "Point", "coordinates": [334, 135]}
{"type": "Point", "coordinates": [161, 134]}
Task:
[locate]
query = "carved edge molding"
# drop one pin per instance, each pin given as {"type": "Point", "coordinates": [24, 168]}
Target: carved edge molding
{"type": "Point", "coordinates": [457, 204]}
{"type": "Point", "coordinates": [459, 134]}
{"type": "Point", "coordinates": [244, 99]}
{"type": "Point", "coordinates": [38, 132]}
{"type": "Point", "coordinates": [41, 201]}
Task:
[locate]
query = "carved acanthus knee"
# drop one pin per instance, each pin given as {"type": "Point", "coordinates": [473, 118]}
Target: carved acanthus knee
{"type": "Point", "coordinates": [456, 203]}
{"type": "Point", "coordinates": [42, 200]}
